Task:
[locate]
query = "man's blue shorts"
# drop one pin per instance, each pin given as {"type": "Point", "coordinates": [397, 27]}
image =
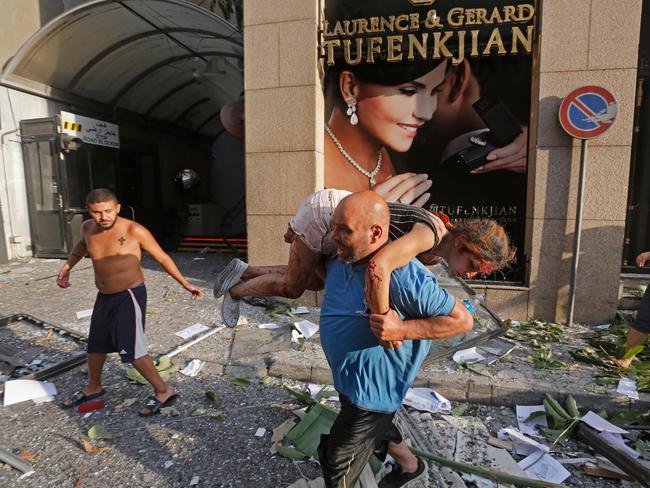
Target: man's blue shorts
{"type": "Point", "coordinates": [117, 324]}
{"type": "Point", "coordinates": [642, 322]}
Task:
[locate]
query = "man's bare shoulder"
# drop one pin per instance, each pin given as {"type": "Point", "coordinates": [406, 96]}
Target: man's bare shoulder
{"type": "Point", "coordinates": [88, 225]}
{"type": "Point", "coordinates": [136, 230]}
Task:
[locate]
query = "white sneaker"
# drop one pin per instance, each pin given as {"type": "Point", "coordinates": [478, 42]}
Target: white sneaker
{"type": "Point", "coordinates": [230, 310]}
{"type": "Point", "coordinates": [229, 277]}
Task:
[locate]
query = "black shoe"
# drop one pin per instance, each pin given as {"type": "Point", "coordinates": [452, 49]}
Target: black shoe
{"type": "Point", "coordinates": [397, 479]}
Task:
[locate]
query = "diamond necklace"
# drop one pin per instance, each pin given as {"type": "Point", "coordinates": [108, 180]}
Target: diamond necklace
{"type": "Point", "coordinates": [369, 174]}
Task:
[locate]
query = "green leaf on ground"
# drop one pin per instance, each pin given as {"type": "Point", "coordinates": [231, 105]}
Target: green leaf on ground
{"type": "Point", "coordinates": [632, 353]}
{"type": "Point", "coordinates": [214, 398]}
{"type": "Point", "coordinates": [460, 409]}
{"type": "Point", "coordinates": [199, 411]}
{"type": "Point", "coordinates": [169, 412]}
{"type": "Point", "coordinates": [290, 452]}
{"type": "Point", "coordinates": [238, 381]}
{"type": "Point", "coordinates": [99, 432]}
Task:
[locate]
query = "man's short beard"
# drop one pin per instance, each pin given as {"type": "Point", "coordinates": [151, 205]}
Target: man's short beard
{"type": "Point", "coordinates": [110, 226]}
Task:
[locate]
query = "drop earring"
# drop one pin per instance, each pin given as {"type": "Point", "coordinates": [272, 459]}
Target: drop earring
{"type": "Point", "coordinates": [352, 111]}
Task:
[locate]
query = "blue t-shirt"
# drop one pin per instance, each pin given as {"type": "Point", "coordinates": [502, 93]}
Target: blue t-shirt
{"type": "Point", "coordinates": [375, 378]}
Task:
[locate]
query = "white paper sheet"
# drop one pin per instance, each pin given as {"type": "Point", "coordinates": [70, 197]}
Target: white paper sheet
{"type": "Point", "coordinates": [600, 424]}
{"type": "Point", "coordinates": [306, 328]}
{"type": "Point", "coordinates": [193, 368]}
{"type": "Point", "coordinates": [618, 441]}
{"type": "Point", "coordinates": [269, 326]}
{"type": "Point", "coordinates": [427, 399]}
{"type": "Point", "coordinates": [530, 427]}
{"type": "Point", "coordinates": [470, 355]}
{"type": "Point", "coordinates": [17, 391]}
{"type": "Point", "coordinates": [82, 314]}
{"type": "Point", "coordinates": [192, 330]}
{"type": "Point", "coordinates": [300, 310]}
{"type": "Point", "coordinates": [546, 469]}
{"type": "Point", "coordinates": [260, 432]}
{"type": "Point", "coordinates": [628, 388]}
{"type": "Point", "coordinates": [521, 444]}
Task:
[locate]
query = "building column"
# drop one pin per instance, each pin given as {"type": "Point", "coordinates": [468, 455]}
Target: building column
{"type": "Point", "coordinates": [284, 119]}
{"type": "Point", "coordinates": [583, 42]}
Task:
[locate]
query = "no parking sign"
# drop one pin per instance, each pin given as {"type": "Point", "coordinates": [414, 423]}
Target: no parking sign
{"type": "Point", "coordinates": [587, 112]}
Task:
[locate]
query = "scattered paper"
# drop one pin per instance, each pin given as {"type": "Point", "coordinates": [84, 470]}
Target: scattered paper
{"type": "Point", "coordinates": [602, 327]}
{"type": "Point", "coordinates": [467, 356]}
{"type": "Point", "coordinates": [260, 432]}
{"type": "Point", "coordinates": [600, 424]}
{"type": "Point", "coordinates": [17, 391]}
{"type": "Point", "coordinates": [88, 414]}
{"type": "Point", "coordinates": [242, 320]}
{"type": "Point", "coordinates": [300, 310]}
{"type": "Point", "coordinates": [195, 480]}
{"type": "Point", "coordinates": [192, 330]}
{"type": "Point", "coordinates": [529, 426]}
{"type": "Point", "coordinates": [618, 441]}
{"type": "Point", "coordinates": [628, 388]}
{"type": "Point", "coordinates": [318, 392]}
{"type": "Point", "coordinates": [306, 328]}
{"type": "Point", "coordinates": [581, 460]}
{"type": "Point", "coordinates": [169, 464]}
{"type": "Point", "coordinates": [269, 326]}
{"type": "Point", "coordinates": [193, 368]}
{"type": "Point", "coordinates": [546, 469]}
{"type": "Point", "coordinates": [427, 399]}
{"type": "Point", "coordinates": [82, 314]}
{"type": "Point", "coordinates": [521, 444]}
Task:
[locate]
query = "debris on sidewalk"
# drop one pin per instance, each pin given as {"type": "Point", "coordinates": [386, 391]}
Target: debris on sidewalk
{"type": "Point", "coordinates": [163, 365]}
{"type": "Point", "coordinates": [529, 417]}
{"type": "Point", "coordinates": [17, 391]}
{"type": "Point", "coordinates": [465, 356]}
{"type": "Point", "coordinates": [268, 326]}
{"type": "Point", "coordinates": [323, 392]}
{"type": "Point", "coordinates": [16, 463]}
{"type": "Point", "coordinates": [306, 330]}
{"type": "Point", "coordinates": [300, 310]}
{"type": "Point", "coordinates": [193, 368]}
{"type": "Point", "coordinates": [192, 330]}
{"type": "Point", "coordinates": [628, 388]}
{"type": "Point", "coordinates": [99, 432]}
{"type": "Point", "coordinates": [544, 467]}
{"type": "Point", "coordinates": [427, 399]}
{"type": "Point", "coordinates": [90, 406]}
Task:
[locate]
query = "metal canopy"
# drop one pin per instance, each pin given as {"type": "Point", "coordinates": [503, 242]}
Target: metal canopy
{"type": "Point", "coordinates": [164, 59]}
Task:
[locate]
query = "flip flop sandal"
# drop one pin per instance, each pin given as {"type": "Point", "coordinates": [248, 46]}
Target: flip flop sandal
{"type": "Point", "coordinates": [154, 405]}
{"type": "Point", "coordinates": [79, 397]}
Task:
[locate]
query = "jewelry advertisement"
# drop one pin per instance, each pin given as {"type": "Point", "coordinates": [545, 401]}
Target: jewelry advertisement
{"type": "Point", "coordinates": [429, 104]}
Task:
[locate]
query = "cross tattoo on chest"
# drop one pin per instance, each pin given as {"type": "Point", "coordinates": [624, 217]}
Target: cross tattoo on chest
{"type": "Point", "coordinates": [122, 240]}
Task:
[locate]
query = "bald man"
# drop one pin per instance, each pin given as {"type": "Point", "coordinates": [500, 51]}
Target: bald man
{"type": "Point", "coordinates": [372, 381]}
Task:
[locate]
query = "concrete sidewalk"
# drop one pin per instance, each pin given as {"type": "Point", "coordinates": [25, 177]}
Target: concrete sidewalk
{"type": "Point", "coordinates": [249, 351]}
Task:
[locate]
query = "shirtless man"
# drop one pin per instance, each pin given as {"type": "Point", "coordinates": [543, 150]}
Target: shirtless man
{"type": "Point", "coordinates": [117, 325]}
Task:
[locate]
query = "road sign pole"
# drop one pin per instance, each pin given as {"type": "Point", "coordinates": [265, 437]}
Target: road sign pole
{"type": "Point", "coordinates": [578, 230]}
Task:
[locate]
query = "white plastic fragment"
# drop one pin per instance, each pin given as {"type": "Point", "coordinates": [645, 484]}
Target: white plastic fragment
{"type": "Point", "coordinates": [192, 330]}
{"type": "Point", "coordinates": [306, 328]}
{"type": "Point", "coordinates": [300, 310]}
{"type": "Point", "coordinates": [195, 480]}
{"type": "Point", "coordinates": [427, 399]}
{"type": "Point", "coordinates": [269, 326]}
{"type": "Point", "coordinates": [467, 356]}
{"type": "Point", "coordinates": [193, 368]}
{"type": "Point", "coordinates": [628, 388]}
{"type": "Point", "coordinates": [260, 432]}
{"type": "Point", "coordinates": [546, 469]}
